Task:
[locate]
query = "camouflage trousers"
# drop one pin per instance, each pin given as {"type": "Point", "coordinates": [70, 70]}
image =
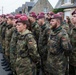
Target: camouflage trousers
{"type": "Point", "coordinates": [55, 65]}
{"type": "Point", "coordinates": [12, 62]}
{"type": "Point", "coordinates": [23, 66]}
{"type": "Point", "coordinates": [3, 46]}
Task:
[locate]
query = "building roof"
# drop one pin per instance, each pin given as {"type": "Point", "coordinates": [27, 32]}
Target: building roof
{"type": "Point", "coordinates": [29, 3]}
{"type": "Point", "coordinates": [25, 5]}
{"type": "Point", "coordinates": [19, 9]}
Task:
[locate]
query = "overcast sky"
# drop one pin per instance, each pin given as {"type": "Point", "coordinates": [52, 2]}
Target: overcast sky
{"type": "Point", "coordinates": [10, 5]}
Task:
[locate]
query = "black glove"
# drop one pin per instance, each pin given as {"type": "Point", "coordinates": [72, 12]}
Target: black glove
{"type": "Point", "coordinates": [67, 53]}
{"type": "Point", "coordinates": [38, 65]}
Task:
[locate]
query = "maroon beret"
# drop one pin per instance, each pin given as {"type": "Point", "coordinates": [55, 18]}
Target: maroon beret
{"type": "Point", "coordinates": [40, 16]}
{"type": "Point", "coordinates": [23, 14]}
{"type": "Point", "coordinates": [10, 16]}
{"type": "Point", "coordinates": [60, 13]}
{"type": "Point", "coordinates": [22, 19]}
{"type": "Point", "coordinates": [74, 12]}
{"type": "Point", "coordinates": [56, 16]}
{"type": "Point", "coordinates": [42, 13]}
{"type": "Point", "coordinates": [17, 16]}
{"type": "Point", "coordinates": [32, 14]}
{"type": "Point", "coordinates": [51, 13]}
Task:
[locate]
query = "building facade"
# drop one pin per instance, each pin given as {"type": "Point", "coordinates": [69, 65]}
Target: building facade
{"type": "Point", "coordinates": [68, 5]}
{"type": "Point", "coordinates": [42, 6]}
{"type": "Point", "coordinates": [35, 6]}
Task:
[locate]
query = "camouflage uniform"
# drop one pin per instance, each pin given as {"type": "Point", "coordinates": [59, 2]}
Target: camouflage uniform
{"type": "Point", "coordinates": [3, 29]}
{"type": "Point", "coordinates": [42, 43]}
{"type": "Point", "coordinates": [8, 35]}
{"type": "Point", "coordinates": [0, 31]}
{"type": "Point", "coordinates": [73, 54]}
{"type": "Point", "coordinates": [13, 50]}
{"type": "Point", "coordinates": [65, 26]}
{"type": "Point", "coordinates": [58, 42]}
{"type": "Point", "coordinates": [25, 52]}
{"type": "Point", "coordinates": [35, 30]}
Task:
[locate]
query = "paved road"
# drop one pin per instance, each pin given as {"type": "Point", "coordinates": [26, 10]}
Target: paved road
{"type": "Point", "coordinates": [2, 70]}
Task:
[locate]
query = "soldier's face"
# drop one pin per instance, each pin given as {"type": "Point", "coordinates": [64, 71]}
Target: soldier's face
{"type": "Point", "coordinates": [14, 22]}
{"type": "Point", "coordinates": [53, 23]}
{"type": "Point", "coordinates": [74, 18]}
{"type": "Point", "coordinates": [20, 27]}
{"type": "Point", "coordinates": [39, 22]}
{"type": "Point", "coordinates": [9, 21]}
{"type": "Point", "coordinates": [31, 19]}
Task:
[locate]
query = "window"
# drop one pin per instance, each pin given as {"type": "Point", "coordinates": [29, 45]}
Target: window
{"type": "Point", "coordinates": [67, 13]}
{"type": "Point", "coordinates": [29, 8]}
{"type": "Point", "coordinates": [67, 1]}
{"type": "Point", "coordinates": [45, 10]}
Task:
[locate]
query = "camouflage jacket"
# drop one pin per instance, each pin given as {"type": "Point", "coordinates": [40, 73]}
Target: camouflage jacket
{"type": "Point", "coordinates": [43, 38]}
{"type": "Point", "coordinates": [0, 31]}
{"type": "Point", "coordinates": [24, 46]}
{"type": "Point", "coordinates": [65, 26]}
{"type": "Point", "coordinates": [58, 42]}
{"type": "Point", "coordinates": [8, 35]}
{"type": "Point", "coordinates": [36, 30]}
{"type": "Point", "coordinates": [73, 42]}
{"type": "Point", "coordinates": [23, 52]}
{"type": "Point", "coordinates": [3, 29]}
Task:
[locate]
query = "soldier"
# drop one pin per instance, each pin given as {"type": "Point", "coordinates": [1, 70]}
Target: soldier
{"type": "Point", "coordinates": [35, 28]}
{"type": "Point", "coordinates": [68, 21]}
{"type": "Point", "coordinates": [49, 15]}
{"type": "Point", "coordinates": [8, 35]}
{"type": "Point", "coordinates": [2, 31]}
{"type": "Point", "coordinates": [42, 43]}
{"type": "Point", "coordinates": [73, 41]}
{"type": "Point", "coordinates": [64, 24]}
{"type": "Point", "coordinates": [34, 25]}
{"type": "Point", "coordinates": [58, 42]}
{"type": "Point", "coordinates": [24, 49]}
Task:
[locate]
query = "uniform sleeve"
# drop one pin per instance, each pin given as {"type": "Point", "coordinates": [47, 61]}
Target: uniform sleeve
{"type": "Point", "coordinates": [32, 47]}
{"type": "Point", "coordinates": [13, 48]}
{"type": "Point", "coordinates": [65, 41]}
{"type": "Point", "coordinates": [7, 40]}
{"type": "Point", "coordinates": [37, 31]}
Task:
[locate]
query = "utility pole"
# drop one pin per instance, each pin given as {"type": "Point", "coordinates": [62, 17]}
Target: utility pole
{"type": "Point", "coordinates": [2, 9]}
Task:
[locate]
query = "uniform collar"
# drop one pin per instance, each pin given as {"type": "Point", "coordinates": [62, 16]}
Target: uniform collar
{"type": "Point", "coordinates": [57, 29]}
{"type": "Point", "coordinates": [43, 26]}
{"type": "Point", "coordinates": [25, 32]}
{"type": "Point", "coordinates": [34, 24]}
